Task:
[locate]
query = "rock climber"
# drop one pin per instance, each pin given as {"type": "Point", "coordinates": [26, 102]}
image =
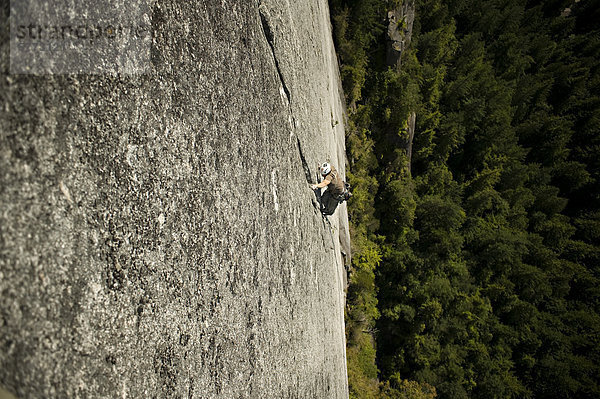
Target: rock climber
{"type": "Point", "coordinates": [335, 189]}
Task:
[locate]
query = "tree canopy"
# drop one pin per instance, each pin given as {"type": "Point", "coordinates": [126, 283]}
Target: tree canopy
{"type": "Point", "coordinates": [477, 255]}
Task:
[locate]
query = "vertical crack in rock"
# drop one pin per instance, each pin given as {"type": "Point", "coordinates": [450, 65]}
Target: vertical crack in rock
{"type": "Point", "coordinates": [304, 163]}
{"type": "Point", "coordinates": [268, 32]}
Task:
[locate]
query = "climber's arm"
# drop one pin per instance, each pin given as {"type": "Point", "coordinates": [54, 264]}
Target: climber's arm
{"type": "Point", "coordinates": [320, 185]}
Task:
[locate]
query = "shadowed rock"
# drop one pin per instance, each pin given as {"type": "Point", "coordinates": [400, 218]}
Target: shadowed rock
{"type": "Point", "coordinates": [399, 32]}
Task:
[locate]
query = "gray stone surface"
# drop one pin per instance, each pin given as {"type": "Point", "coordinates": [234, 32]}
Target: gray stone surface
{"type": "Point", "coordinates": [157, 235]}
{"type": "Point", "coordinates": [399, 33]}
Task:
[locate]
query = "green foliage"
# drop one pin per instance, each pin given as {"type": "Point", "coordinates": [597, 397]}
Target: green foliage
{"type": "Point", "coordinates": [398, 388]}
{"type": "Point", "coordinates": [357, 26]}
{"type": "Point", "coordinates": [476, 259]}
{"type": "Point", "coordinates": [362, 372]}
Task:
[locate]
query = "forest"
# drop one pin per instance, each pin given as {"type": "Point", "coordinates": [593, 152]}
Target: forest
{"type": "Point", "coordinates": [476, 253]}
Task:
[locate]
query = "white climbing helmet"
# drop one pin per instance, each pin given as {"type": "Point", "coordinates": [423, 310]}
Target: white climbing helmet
{"type": "Point", "coordinates": [325, 169]}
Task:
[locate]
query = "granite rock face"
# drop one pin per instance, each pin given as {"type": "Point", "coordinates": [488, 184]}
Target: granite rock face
{"type": "Point", "coordinates": [157, 232]}
{"type": "Point", "coordinates": [399, 31]}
